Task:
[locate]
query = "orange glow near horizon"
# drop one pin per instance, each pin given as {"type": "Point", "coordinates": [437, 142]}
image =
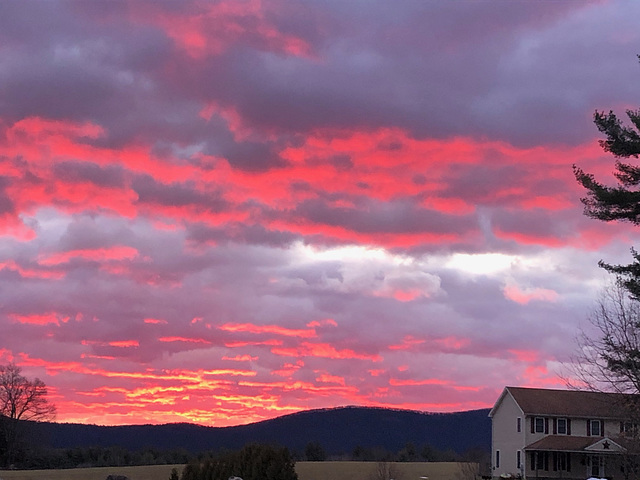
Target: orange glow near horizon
{"type": "Point", "coordinates": [247, 327]}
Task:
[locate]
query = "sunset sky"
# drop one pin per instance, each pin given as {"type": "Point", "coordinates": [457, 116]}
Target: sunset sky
{"type": "Point", "coordinates": [222, 212]}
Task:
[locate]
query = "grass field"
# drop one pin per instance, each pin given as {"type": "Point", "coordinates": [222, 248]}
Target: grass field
{"type": "Point", "coordinates": [149, 472]}
{"type": "Point", "coordinates": [367, 471]}
{"type": "Point", "coordinates": [305, 470]}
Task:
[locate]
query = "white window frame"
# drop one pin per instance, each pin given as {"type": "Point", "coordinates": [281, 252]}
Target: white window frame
{"type": "Point", "coordinates": [566, 426]}
{"type": "Point", "coordinates": [535, 421]}
{"type": "Point", "coordinates": [600, 428]}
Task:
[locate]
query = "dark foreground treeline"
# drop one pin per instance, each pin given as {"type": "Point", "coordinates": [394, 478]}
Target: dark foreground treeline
{"type": "Point", "coordinates": [30, 457]}
{"type": "Point", "coordinates": [253, 462]}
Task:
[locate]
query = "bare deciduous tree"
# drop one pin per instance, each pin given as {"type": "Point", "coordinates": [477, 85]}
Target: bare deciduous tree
{"type": "Point", "coordinates": [386, 471]}
{"type": "Point", "coordinates": [608, 357]}
{"type": "Point", "coordinates": [20, 399]}
{"type": "Point", "coordinates": [468, 471]}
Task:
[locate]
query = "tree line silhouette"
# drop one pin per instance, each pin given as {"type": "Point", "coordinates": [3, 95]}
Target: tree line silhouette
{"type": "Point", "coordinates": [32, 456]}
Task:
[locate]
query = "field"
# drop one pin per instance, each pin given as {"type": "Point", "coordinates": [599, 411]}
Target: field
{"type": "Point", "coordinates": [305, 470]}
{"type": "Point", "coordinates": [367, 471]}
{"type": "Point", "coordinates": [149, 472]}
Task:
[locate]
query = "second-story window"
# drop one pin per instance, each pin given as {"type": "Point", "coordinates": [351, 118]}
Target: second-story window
{"type": "Point", "coordinates": [628, 428]}
{"type": "Point", "coordinates": [595, 429]}
{"type": "Point", "coordinates": [562, 426]}
{"type": "Point", "coordinates": [539, 425]}
{"type": "Point", "coordinates": [519, 424]}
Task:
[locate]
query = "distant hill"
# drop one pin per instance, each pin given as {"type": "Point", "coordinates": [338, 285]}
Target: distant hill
{"type": "Point", "coordinates": [338, 430]}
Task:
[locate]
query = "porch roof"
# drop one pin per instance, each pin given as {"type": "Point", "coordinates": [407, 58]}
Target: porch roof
{"type": "Point", "coordinates": [566, 443]}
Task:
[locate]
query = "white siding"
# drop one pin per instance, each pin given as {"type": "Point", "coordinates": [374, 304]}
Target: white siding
{"type": "Point", "coordinates": [505, 436]}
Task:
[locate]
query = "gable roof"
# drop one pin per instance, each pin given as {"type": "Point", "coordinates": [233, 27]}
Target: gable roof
{"type": "Point", "coordinates": [570, 403]}
{"type": "Point", "coordinates": [560, 443]}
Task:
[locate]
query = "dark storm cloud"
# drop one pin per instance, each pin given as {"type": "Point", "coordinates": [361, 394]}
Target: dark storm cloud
{"type": "Point", "coordinates": [87, 232]}
{"type": "Point", "coordinates": [389, 217]}
{"type": "Point", "coordinates": [6, 204]}
{"type": "Point", "coordinates": [67, 69]}
{"type": "Point", "coordinates": [441, 90]}
{"type": "Point", "coordinates": [243, 233]}
{"type": "Point", "coordinates": [534, 223]}
{"type": "Point", "coordinates": [130, 77]}
{"type": "Point", "coordinates": [175, 194]}
{"type": "Point", "coordinates": [482, 183]}
{"type": "Point", "coordinates": [74, 172]}
{"type": "Point", "coordinates": [256, 156]}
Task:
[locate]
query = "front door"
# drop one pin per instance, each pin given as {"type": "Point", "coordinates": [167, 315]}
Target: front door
{"type": "Point", "coordinates": [596, 467]}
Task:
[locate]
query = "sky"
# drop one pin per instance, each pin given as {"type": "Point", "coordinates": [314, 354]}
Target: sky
{"type": "Point", "coordinates": [224, 212]}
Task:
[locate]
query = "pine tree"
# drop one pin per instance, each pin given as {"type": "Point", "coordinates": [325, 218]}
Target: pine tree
{"type": "Point", "coordinates": [621, 202]}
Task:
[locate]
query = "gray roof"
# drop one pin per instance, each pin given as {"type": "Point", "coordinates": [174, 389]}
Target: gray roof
{"type": "Point", "coordinates": [564, 443]}
{"type": "Point", "coordinates": [569, 403]}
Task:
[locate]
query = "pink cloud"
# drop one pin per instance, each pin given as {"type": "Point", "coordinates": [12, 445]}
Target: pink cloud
{"type": "Point", "coordinates": [320, 323]}
{"type": "Point", "coordinates": [37, 319]}
{"type": "Point", "coordinates": [183, 340]}
{"type": "Point", "coordinates": [408, 343]}
{"type": "Point", "coordinates": [241, 358]}
{"type": "Point", "coordinates": [328, 378]}
{"type": "Point", "coordinates": [220, 26]}
{"type": "Point", "coordinates": [155, 321]}
{"type": "Point", "coordinates": [323, 350]}
{"type": "Point", "coordinates": [124, 343]}
{"type": "Point", "coordinates": [275, 329]}
{"type": "Point", "coordinates": [97, 254]}
{"type": "Point", "coordinates": [32, 272]}
{"type": "Point", "coordinates": [524, 296]}
{"type": "Point", "coordinates": [527, 356]}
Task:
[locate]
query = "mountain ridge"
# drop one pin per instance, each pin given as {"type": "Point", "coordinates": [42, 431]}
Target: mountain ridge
{"type": "Point", "coordinates": [338, 430]}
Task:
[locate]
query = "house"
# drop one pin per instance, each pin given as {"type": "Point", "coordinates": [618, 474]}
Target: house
{"type": "Point", "coordinates": [569, 434]}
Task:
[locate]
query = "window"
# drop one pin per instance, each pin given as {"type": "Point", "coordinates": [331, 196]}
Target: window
{"type": "Point", "coordinates": [629, 428]}
{"type": "Point", "coordinates": [541, 460]}
{"type": "Point", "coordinates": [519, 424]}
{"type": "Point", "coordinates": [539, 425]}
{"type": "Point", "coordinates": [497, 458]}
{"type": "Point", "coordinates": [518, 459]}
{"type": "Point", "coordinates": [562, 426]}
{"type": "Point", "coordinates": [595, 428]}
{"type": "Point", "coordinates": [562, 461]}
